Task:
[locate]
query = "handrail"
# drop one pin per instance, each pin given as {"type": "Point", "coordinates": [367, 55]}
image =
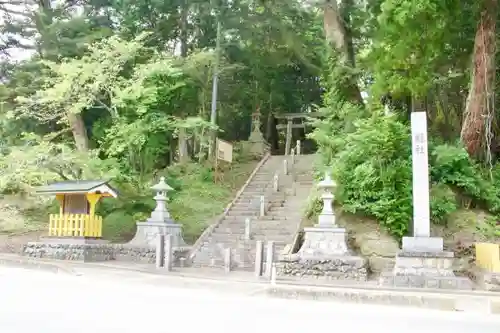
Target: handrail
{"type": "Point", "coordinates": [208, 231]}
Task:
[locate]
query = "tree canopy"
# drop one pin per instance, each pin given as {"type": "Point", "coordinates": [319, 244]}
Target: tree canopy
{"type": "Point", "coordinates": [93, 87]}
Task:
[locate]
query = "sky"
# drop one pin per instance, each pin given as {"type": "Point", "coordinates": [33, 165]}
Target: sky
{"type": "Point", "coordinates": [18, 54]}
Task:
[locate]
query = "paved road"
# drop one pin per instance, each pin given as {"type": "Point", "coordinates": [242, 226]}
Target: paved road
{"type": "Point", "coordinates": [33, 301]}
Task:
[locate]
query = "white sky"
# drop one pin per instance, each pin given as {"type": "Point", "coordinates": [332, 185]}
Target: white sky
{"type": "Point", "coordinates": [18, 54]}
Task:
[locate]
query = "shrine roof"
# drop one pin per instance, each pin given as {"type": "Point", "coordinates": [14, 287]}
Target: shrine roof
{"type": "Point", "coordinates": [78, 186]}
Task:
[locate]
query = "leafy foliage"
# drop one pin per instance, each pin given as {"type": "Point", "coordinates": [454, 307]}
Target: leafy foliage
{"type": "Point", "coordinates": [114, 89]}
{"type": "Point", "coordinates": [372, 164]}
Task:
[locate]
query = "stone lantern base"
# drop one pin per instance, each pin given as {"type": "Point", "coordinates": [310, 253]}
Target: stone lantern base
{"type": "Point", "coordinates": [147, 234]}
{"type": "Point", "coordinates": [322, 241]}
{"type": "Point", "coordinates": [324, 255]}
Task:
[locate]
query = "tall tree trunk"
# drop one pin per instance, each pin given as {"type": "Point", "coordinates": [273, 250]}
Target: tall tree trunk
{"type": "Point", "coordinates": [44, 18]}
{"type": "Point", "coordinates": [337, 35]}
{"type": "Point", "coordinates": [184, 28]}
{"type": "Point", "coordinates": [183, 146]}
{"type": "Point", "coordinates": [182, 138]}
{"type": "Point", "coordinates": [479, 114]}
{"type": "Point", "coordinates": [79, 131]}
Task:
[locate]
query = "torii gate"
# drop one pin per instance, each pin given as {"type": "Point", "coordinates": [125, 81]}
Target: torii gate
{"type": "Point", "coordinates": [290, 125]}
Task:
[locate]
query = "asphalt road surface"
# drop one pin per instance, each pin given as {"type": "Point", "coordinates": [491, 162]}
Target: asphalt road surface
{"type": "Point", "coordinates": [39, 302]}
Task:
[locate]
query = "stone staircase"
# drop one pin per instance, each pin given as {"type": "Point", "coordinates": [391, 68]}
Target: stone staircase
{"type": "Point", "coordinates": [283, 213]}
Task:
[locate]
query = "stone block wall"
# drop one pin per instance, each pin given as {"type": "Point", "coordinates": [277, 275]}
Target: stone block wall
{"type": "Point", "coordinates": [486, 280]}
{"type": "Point", "coordinates": [97, 252]}
{"type": "Point", "coordinates": [145, 255]}
{"type": "Point", "coordinates": [338, 268]}
{"type": "Point", "coordinates": [491, 281]}
{"type": "Point", "coordinates": [72, 252]}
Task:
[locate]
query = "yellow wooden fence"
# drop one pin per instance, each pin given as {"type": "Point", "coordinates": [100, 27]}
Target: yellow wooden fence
{"type": "Point", "coordinates": [75, 225]}
{"type": "Point", "coordinates": [488, 256]}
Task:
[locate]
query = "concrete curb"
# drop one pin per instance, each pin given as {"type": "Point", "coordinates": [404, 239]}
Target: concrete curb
{"type": "Point", "coordinates": [467, 301]}
{"type": "Point", "coordinates": [28, 263]}
{"type": "Point", "coordinates": [449, 300]}
{"type": "Point", "coordinates": [421, 299]}
{"type": "Point", "coordinates": [290, 283]}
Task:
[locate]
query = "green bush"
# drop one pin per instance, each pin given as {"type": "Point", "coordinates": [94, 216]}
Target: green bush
{"type": "Point", "coordinates": [451, 165]}
{"type": "Point", "coordinates": [443, 203]}
{"type": "Point", "coordinates": [118, 226]}
{"type": "Point", "coordinates": [373, 170]}
{"type": "Point", "coordinates": [370, 158]}
{"type": "Point", "coordinates": [372, 165]}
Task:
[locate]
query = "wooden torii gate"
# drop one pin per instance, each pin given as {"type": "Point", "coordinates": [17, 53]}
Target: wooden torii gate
{"type": "Point", "coordinates": [289, 126]}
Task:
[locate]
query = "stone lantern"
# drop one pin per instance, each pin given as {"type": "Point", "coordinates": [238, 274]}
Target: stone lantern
{"type": "Point", "coordinates": [327, 216]}
{"type": "Point", "coordinates": [324, 253]}
{"type": "Point", "coordinates": [161, 213]}
{"type": "Point", "coordinates": [160, 222]}
{"type": "Point", "coordinates": [258, 145]}
{"type": "Point", "coordinates": [325, 238]}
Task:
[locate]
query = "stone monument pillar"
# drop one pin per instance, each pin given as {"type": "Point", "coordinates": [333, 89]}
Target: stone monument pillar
{"type": "Point", "coordinates": [258, 145]}
{"type": "Point", "coordinates": [422, 262]}
{"type": "Point", "coordinates": [324, 253]}
{"type": "Point", "coordinates": [160, 222]}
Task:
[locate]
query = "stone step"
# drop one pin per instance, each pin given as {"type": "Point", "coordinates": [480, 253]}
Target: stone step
{"type": "Point", "coordinates": [242, 201]}
{"type": "Point", "coordinates": [239, 233]}
{"type": "Point", "coordinates": [256, 224]}
{"type": "Point", "coordinates": [246, 213]}
{"type": "Point", "coordinates": [277, 203]}
{"type": "Point", "coordinates": [275, 199]}
{"type": "Point", "coordinates": [263, 177]}
{"type": "Point", "coordinates": [239, 241]}
{"type": "Point", "coordinates": [216, 246]}
{"type": "Point", "coordinates": [242, 218]}
{"type": "Point", "coordinates": [304, 182]}
{"type": "Point", "coordinates": [269, 216]}
{"type": "Point", "coordinates": [254, 194]}
{"type": "Point", "coordinates": [240, 227]}
{"type": "Point", "coordinates": [256, 183]}
{"type": "Point", "coordinates": [256, 207]}
{"type": "Point", "coordinates": [273, 216]}
{"type": "Point", "coordinates": [246, 208]}
{"type": "Point", "coordinates": [260, 225]}
{"type": "Point", "coordinates": [234, 242]}
{"type": "Point", "coordinates": [279, 224]}
{"type": "Point", "coordinates": [262, 228]}
{"type": "Point", "coordinates": [229, 232]}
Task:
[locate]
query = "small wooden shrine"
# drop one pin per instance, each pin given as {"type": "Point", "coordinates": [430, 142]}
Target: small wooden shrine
{"type": "Point", "coordinates": [77, 205]}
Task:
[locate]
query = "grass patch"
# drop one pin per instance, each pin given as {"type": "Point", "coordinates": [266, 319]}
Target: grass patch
{"type": "Point", "coordinates": [194, 202]}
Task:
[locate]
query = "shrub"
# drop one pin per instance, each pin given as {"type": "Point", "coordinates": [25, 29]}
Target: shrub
{"type": "Point", "coordinates": [374, 172]}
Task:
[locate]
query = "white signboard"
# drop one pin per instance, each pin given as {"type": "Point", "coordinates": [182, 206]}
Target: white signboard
{"type": "Point", "coordinates": [420, 168]}
{"type": "Point", "coordinates": [224, 151]}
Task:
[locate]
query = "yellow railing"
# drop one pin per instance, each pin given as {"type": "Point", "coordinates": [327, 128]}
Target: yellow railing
{"type": "Point", "coordinates": [488, 256]}
{"type": "Point", "coordinates": [75, 225]}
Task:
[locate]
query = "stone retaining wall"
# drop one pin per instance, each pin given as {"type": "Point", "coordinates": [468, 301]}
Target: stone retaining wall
{"type": "Point", "coordinates": [339, 268]}
{"type": "Point", "coordinates": [486, 280]}
{"type": "Point", "coordinates": [97, 252]}
{"type": "Point", "coordinates": [491, 281]}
